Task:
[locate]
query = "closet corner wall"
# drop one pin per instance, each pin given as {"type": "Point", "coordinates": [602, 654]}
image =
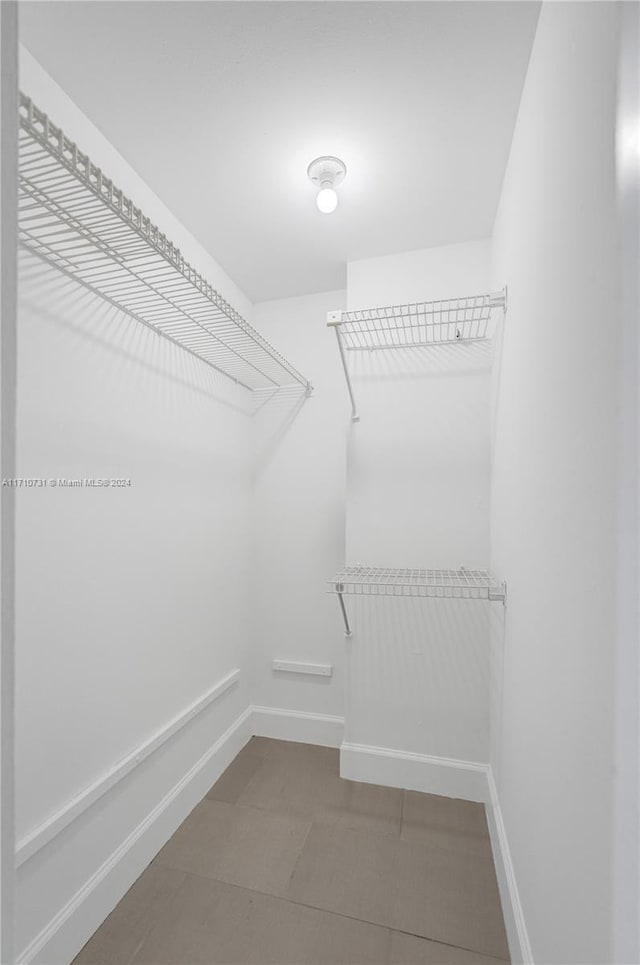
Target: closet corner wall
{"type": "Point", "coordinates": [298, 530]}
{"type": "Point", "coordinates": [417, 507]}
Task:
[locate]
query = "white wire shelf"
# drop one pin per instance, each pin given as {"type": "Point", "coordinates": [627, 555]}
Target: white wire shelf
{"type": "Point", "coordinates": [74, 217]}
{"type": "Point", "coordinates": [382, 581]}
{"type": "Point", "coordinates": [415, 325]}
{"type": "Point", "coordinates": [459, 584]}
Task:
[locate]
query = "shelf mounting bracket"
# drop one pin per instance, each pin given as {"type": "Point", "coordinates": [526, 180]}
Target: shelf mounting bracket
{"type": "Point", "coordinates": [498, 594]}
{"type": "Point", "coordinates": [334, 320]}
{"type": "Point", "coordinates": [340, 592]}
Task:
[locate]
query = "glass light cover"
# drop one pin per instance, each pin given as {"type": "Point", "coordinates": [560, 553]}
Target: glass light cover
{"type": "Point", "coordinates": [327, 200]}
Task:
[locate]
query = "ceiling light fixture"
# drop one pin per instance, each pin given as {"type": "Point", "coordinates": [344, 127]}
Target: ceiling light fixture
{"type": "Point", "coordinates": [326, 173]}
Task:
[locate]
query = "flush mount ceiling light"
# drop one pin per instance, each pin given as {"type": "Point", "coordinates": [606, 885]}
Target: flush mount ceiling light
{"type": "Point", "coordinates": [327, 173]}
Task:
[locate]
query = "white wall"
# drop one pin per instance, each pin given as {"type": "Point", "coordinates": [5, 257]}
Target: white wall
{"type": "Point", "coordinates": [418, 486]}
{"type": "Point", "coordinates": [420, 275]}
{"type": "Point", "coordinates": [626, 866]}
{"type": "Point", "coordinates": [418, 673]}
{"type": "Point", "coordinates": [8, 365]}
{"type": "Point", "coordinates": [298, 512]}
{"type": "Point", "coordinates": [553, 502]}
{"type": "Point", "coordinates": [419, 461]}
{"type": "Point", "coordinates": [132, 603]}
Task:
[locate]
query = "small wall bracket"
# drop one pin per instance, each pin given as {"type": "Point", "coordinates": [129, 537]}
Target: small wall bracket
{"type": "Point", "coordinates": [498, 594]}
{"type": "Point", "coordinates": [499, 299]}
{"type": "Point", "coordinates": [334, 320]}
{"type": "Point", "coordinates": [340, 591]}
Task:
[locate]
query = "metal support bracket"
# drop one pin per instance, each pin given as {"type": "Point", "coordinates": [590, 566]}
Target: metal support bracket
{"type": "Point", "coordinates": [334, 320]}
{"type": "Point", "coordinates": [498, 594]}
{"type": "Point", "coordinates": [499, 299]}
{"type": "Point", "coordinates": [461, 314]}
{"type": "Point", "coordinates": [340, 592]}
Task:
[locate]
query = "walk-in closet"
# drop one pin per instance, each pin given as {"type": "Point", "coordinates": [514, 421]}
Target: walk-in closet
{"type": "Point", "coordinates": [320, 446]}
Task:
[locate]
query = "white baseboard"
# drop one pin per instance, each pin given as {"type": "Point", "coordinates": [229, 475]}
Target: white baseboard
{"type": "Point", "coordinates": [73, 925]}
{"type": "Point", "coordinates": [53, 825]}
{"type": "Point", "coordinates": [415, 772]}
{"type": "Point", "coordinates": [293, 725]}
{"type": "Point", "coordinates": [450, 778]}
{"type": "Point", "coordinates": [517, 935]}
{"type": "Point", "coordinates": [65, 934]}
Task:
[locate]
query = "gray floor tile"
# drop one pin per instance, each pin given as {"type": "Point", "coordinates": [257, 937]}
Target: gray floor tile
{"type": "Point", "coordinates": [259, 745]}
{"type": "Point", "coordinates": [249, 879]}
{"type": "Point", "coordinates": [439, 894]}
{"type": "Point", "coordinates": [311, 787]}
{"type": "Point", "coordinates": [215, 923]}
{"type": "Point", "coordinates": [411, 950]}
{"type": "Point", "coordinates": [365, 807]}
{"type": "Point", "coordinates": [236, 777]}
{"type": "Point", "coordinates": [314, 756]}
{"type": "Point", "coordinates": [240, 845]}
{"type": "Point", "coordinates": [122, 933]}
{"type": "Point", "coordinates": [445, 822]}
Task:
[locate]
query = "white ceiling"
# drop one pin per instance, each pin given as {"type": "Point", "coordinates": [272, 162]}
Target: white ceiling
{"type": "Point", "coordinates": [220, 107]}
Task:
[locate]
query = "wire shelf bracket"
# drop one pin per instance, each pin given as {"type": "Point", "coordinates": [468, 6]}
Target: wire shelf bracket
{"type": "Point", "coordinates": [462, 584]}
{"type": "Point", "coordinates": [73, 216]}
{"type": "Point", "coordinates": [416, 325]}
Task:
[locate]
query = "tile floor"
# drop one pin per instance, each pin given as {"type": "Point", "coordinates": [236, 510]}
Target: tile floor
{"type": "Point", "coordinates": [283, 862]}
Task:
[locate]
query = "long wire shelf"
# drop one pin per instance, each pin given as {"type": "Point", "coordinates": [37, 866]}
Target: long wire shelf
{"type": "Point", "coordinates": [459, 584]}
{"type": "Point", "coordinates": [73, 216]}
{"type": "Point", "coordinates": [415, 325]}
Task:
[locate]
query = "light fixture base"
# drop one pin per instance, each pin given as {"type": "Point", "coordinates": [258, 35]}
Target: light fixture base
{"type": "Point", "coordinates": [326, 172]}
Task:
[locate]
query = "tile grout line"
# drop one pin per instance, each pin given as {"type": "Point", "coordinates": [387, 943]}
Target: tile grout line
{"type": "Point", "coordinates": [337, 914]}
{"type": "Point", "coordinates": [277, 812]}
{"type": "Point", "coordinates": [302, 847]}
{"type": "Point", "coordinates": [131, 958]}
{"type": "Point", "coordinates": [269, 757]}
{"type": "Point", "coordinates": [156, 924]}
{"type": "Point", "coordinates": [310, 821]}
